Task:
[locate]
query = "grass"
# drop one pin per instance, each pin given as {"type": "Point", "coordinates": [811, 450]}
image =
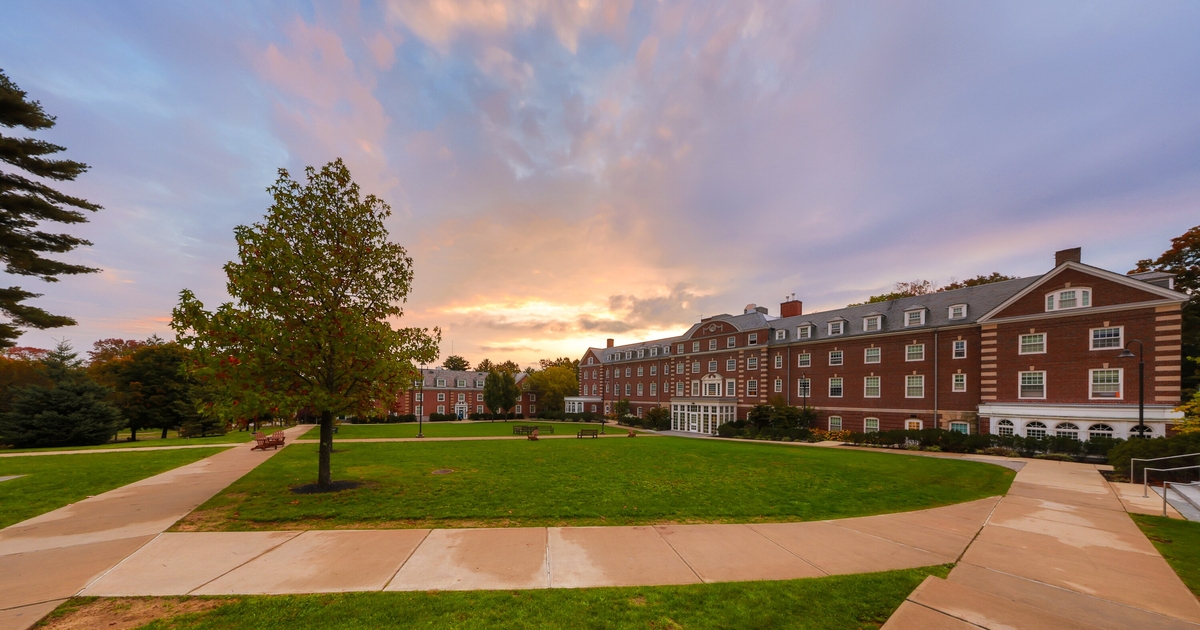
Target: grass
{"type": "Point", "coordinates": [451, 429]}
{"type": "Point", "coordinates": [147, 439]}
{"type": "Point", "coordinates": [1179, 542]}
{"type": "Point", "coordinates": [589, 482]}
{"type": "Point", "coordinates": [830, 603]}
{"type": "Point", "coordinates": [52, 481]}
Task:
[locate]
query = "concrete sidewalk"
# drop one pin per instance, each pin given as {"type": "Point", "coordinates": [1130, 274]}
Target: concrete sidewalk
{"type": "Point", "coordinates": [467, 438]}
{"type": "Point", "coordinates": [132, 449]}
{"type": "Point", "coordinates": [521, 558]}
{"type": "Point", "coordinates": [1059, 551]}
{"type": "Point", "coordinates": [49, 558]}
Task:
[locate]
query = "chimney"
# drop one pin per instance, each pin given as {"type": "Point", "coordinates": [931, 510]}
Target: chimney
{"type": "Point", "coordinates": [791, 308]}
{"type": "Point", "coordinates": [1074, 255]}
{"type": "Point", "coordinates": [610, 344]}
{"type": "Point", "coordinates": [750, 308]}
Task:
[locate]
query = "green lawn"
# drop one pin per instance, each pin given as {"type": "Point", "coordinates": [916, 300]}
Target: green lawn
{"type": "Point", "coordinates": [151, 438]}
{"type": "Point", "coordinates": [845, 602]}
{"type": "Point", "coordinates": [1179, 542]}
{"type": "Point", "coordinates": [451, 429]}
{"type": "Point", "coordinates": [506, 483]}
{"type": "Point", "coordinates": [52, 481]}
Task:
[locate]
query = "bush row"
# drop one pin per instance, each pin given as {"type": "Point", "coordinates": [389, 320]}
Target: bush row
{"type": "Point", "coordinates": [955, 442]}
{"type": "Point", "coordinates": [1182, 444]}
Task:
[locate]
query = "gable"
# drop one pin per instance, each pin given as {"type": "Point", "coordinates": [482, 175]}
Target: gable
{"type": "Point", "coordinates": [712, 329]}
{"type": "Point", "coordinates": [1106, 292]}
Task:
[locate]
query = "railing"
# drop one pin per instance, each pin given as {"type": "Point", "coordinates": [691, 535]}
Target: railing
{"type": "Point", "coordinates": [1167, 487]}
{"type": "Point", "coordinates": [1145, 493]}
{"type": "Point", "coordinates": [1146, 475]}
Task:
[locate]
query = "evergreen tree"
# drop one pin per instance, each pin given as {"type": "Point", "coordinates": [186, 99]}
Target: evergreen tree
{"type": "Point", "coordinates": [456, 362]}
{"type": "Point", "coordinates": [26, 205]}
{"type": "Point", "coordinates": [153, 391]}
{"type": "Point", "coordinates": [72, 412]}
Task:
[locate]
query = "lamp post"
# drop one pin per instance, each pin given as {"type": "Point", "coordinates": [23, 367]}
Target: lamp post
{"type": "Point", "coordinates": [804, 379]}
{"type": "Point", "coordinates": [1141, 357]}
{"type": "Point", "coordinates": [421, 416]}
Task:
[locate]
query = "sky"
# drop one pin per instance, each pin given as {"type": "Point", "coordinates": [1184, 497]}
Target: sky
{"type": "Point", "coordinates": [563, 173]}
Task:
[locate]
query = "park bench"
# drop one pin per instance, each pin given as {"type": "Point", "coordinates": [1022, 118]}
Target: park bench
{"type": "Point", "coordinates": [526, 429]}
{"type": "Point", "coordinates": [264, 441]}
{"type": "Point", "coordinates": [587, 433]}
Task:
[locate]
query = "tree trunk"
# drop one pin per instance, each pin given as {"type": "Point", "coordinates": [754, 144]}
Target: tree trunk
{"type": "Point", "coordinates": [323, 474]}
{"type": "Point", "coordinates": [132, 434]}
{"type": "Point", "coordinates": [164, 435]}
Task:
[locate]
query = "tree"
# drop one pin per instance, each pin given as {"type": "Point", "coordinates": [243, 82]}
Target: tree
{"type": "Point", "coordinates": [552, 384]}
{"type": "Point", "coordinates": [73, 411]}
{"type": "Point", "coordinates": [621, 409]}
{"type": "Point", "coordinates": [455, 362]}
{"type": "Point", "coordinates": [314, 287]}
{"type": "Point", "coordinates": [106, 350]}
{"type": "Point", "coordinates": [153, 391]}
{"type": "Point", "coordinates": [20, 368]}
{"type": "Point", "coordinates": [485, 366]}
{"type": "Point", "coordinates": [1183, 260]}
{"type": "Point", "coordinates": [500, 391]}
{"type": "Point", "coordinates": [27, 205]}
{"type": "Point", "coordinates": [995, 276]}
{"type": "Point", "coordinates": [926, 287]}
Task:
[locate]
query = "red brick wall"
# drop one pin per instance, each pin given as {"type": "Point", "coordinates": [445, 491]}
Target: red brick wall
{"type": "Point", "coordinates": [1104, 293]}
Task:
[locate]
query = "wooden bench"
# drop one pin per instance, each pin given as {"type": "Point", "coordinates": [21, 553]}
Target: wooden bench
{"type": "Point", "coordinates": [588, 433]}
{"type": "Point", "coordinates": [263, 441]}
{"type": "Point", "coordinates": [526, 429]}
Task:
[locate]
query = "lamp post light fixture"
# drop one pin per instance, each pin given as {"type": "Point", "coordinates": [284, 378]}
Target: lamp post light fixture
{"type": "Point", "coordinates": [421, 416]}
{"type": "Point", "coordinates": [1141, 357]}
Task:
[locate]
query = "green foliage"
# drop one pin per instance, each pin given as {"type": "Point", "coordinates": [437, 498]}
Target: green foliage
{"type": "Point", "coordinates": [1179, 542]}
{"type": "Point", "coordinates": [621, 409]}
{"type": "Point", "coordinates": [995, 276]}
{"type": "Point", "coordinates": [72, 412]}
{"type": "Point", "coordinates": [1183, 260]}
{"type": "Point", "coordinates": [27, 205]}
{"type": "Point", "coordinates": [507, 366]}
{"type": "Point", "coordinates": [500, 391]}
{"type": "Point", "coordinates": [925, 287]}
{"type": "Point", "coordinates": [780, 415]}
{"type": "Point", "coordinates": [955, 442]}
{"type": "Point", "coordinates": [18, 371]}
{"type": "Point", "coordinates": [1182, 444]}
{"type": "Point", "coordinates": [456, 362]}
{"type": "Point", "coordinates": [153, 391]}
{"type": "Point", "coordinates": [314, 287]}
{"type": "Point", "coordinates": [552, 384]}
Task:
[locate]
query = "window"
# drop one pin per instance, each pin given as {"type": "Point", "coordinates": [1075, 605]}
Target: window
{"type": "Point", "coordinates": [639, 412]}
{"type": "Point", "coordinates": [712, 344]}
{"type": "Point", "coordinates": [629, 354]}
{"type": "Point", "coordinates": [653, 352]}
{"type": "Point", "coordinates": [1033, 385]}
{"type": "Point", "coordinates": [914, 318]}
{"type": "Point", "coordinates": [751, 387]}
{"type": "Point", "coordinates": [695, 346]}
{"type": "Point", "coordinates": [960, 382]}
{"type": "Point", "coordinates": [695, 367]}
{"type": "Point", "coordinates": [640, 369]}
{"type": "Point", "coordinates": [441, 382]}
{"type": "Point", "coordinates": [730, 387]}
{"type": "Point", "coordinates": [804, 360]}
{"type": "Point", "coordinates": [835, 357]}
{"type": "Point", "coordinates": [695, 389]}
{"type": "Point", "coordinates": [679, 368]}
{"type": "Point", "coordinates": [914, 352]}
{"type": "Point", "coordinates": [642, 353]}
{"type": "Point", "coordinates": [730, 365]}
{"type": "Point", "coordinates": [871, 355]}
{"type": "Point", "coordinates": [441, 409]}
{"type": "Point", "coordinates": [478, 408]}
{"type": "Point", "coordinates": [639, 389]}
{"type": "Point", "coordinates": [752, 339]}
{"type": "Point", "coordinates": [872, 323]}
{"type": "Point", "coordinates": [462, 382]}
{"type": "Point", "coordinates": [752, 363]}
{"type": "Point", "coordinates": [1035, 429]}
{"type": "Point", "coordinates": [958, 311]}
{"type": "Point", "coordinates": [836, 328]}
{"type": "Point", "coordinates": [628, 389]}
{"type": "Point", "coordinates": [803, 387]}
{"type": "Point", "coordinates": [804, 332]}
{"type": "Point", "coordinates": [441, 396]}
{"type": "Point", "coordinates": [870, 425]}
{"type": "Point", "coordinates": [479, 383]}
{"type": "Point", "coordinates": [1004, 427]}
{"type": "Point", "coordinates": [666, 350]}
{"type": "Point", "coordinates": [780, 334]}
{"type": "Point", "coordinates": [679, 350]}
{"type": "Point", "coordinates": [479, 397]}
{"type": "Point", "coordinates": [517, 409]}
{"type": "Point", "coordinates": [653, 389]}
{"type": "Point", "coordinates": [590, 361]}
{"type": "Point", "coordinates": [835, 388]}
{"type": "Point", "coordinates": [419, 397]}
{"type": "Point", "coordinates": [1100, 431]}
{"type": "Point", "coordinates": [1106, 383]}
{"type": "Point", "coordinates": [653, 370]}
{"type": "Point", "coordinates": [1104, 338]}
{"type": "Point", "coordinates": [960, 348]}
{"type": "Point", "coordinates": [594, 389]}
{"type": "Point", "coordinates": [778, 385]}
{"type": "Point", "coordinates": [835, 423]}
{"type": "Point", "coordinates": [712, 366]}
{"type": "Point", "coordinates": [914, 386]}
{"type": "Point", "coordinates": [1067, 430]}
{"type": "Point", "coordinates": [1033, 344]}
{"type": "Point", "coordinates": [871, 387]}
{"type": "Point", "coordinates": [679, 388]}
{"type": "Point", "coordinates": [731, 342]}
{"type": "Point", "coordinates": [628, 372]}
{"type": "Point", "coordinates": [778, 361]}
{"type": "Point", "coordinates": [960, 427]}
{"type": "Point", "coordinates": [462, 398]}
{"type": "Point", "coordinates": [712, 388]}
{"type": "Point", "coordinates": [1068, 298]}
{"type": "Point", "coordinates": [913, 424]}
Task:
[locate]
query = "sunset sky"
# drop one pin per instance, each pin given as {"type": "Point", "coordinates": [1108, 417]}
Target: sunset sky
{"type": "Point", "coordinates": [566, 172]}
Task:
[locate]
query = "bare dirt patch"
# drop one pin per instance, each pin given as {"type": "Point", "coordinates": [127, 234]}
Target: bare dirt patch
{"type": "Point", "coordinates": [123, 613]}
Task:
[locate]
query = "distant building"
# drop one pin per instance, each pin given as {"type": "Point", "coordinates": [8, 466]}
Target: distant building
{"type": "Point", "coordinates": [457, 392]}
{"type": "Point", "coordinates": [1034, 357]}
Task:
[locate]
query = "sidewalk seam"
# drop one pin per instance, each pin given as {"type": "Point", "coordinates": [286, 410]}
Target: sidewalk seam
{"type": "Point", "coordinates": [110, 569]}
{"type": "Point", "coordinates": [789, 551]}
{"type": "Point", "coordinates": [679, 555]}
{"type": "Point", "coordinates": [248, 560]}
{"type": "Point", "coordinates": [406, 559]}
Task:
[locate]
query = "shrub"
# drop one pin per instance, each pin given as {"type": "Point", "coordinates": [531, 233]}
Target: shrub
{"type": "Point", "coordinates": [1182, 444]}
{"type": "Point", "coordinates": [73, 413]}
{"type": "Point", "coordinates": [1002, 451]}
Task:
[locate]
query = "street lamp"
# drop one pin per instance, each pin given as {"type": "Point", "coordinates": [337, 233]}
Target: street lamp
{"type": "Point", "coordinates": [421, 416]}
{"type": "Point", "coordinates": [1141, 357]}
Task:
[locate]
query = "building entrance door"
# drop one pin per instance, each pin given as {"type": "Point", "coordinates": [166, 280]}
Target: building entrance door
{"type": "Point", "coordinates": [693, 422]}
{"type": "Point", "coordinates": [460, 411]}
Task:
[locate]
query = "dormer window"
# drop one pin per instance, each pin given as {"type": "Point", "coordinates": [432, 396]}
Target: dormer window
{"type": "Point", "coordinates": [1068, 298]}
{"type": "Point", "coordinates": [653, 352]}
{"type": "Point", "coordinates": [752, 339]}
{"type": "Point", "coordinates": [667, 349]}
{"type": "Point", "coordinates": [914, 318]}
{"type": "Point", "coordinates": [462, 382]}
{"type": "Point", "coordinates": [804, 332]}
{"type": "Point", "coordinates": [641, 354]}
{"type": "Point", "coordinates": [958, 311]}
{"type": "Point", "coordinates": [872, 323]}
{"type": "Point", "coordinates": [479, 383]}
{"type": "Point", "coordinates": [780, 334]}
{"type": "Point", "coordinates": [441, 382]}
{"type": "Point", "coordinates": [837, 327]}
{"type": "Point", "coordinates": [590, 360]}
{"type": "Point", "coordinates": [629, 354]}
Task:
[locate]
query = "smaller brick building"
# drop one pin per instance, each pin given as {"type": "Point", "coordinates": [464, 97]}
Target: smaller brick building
{"type": "Point", "coordinates": [457, 392]}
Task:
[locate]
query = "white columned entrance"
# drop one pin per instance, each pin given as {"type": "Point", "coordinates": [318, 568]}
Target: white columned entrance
{"type": "Point", "coordinates": [702, 415]}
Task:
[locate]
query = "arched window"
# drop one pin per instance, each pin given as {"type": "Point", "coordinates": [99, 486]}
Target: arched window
{"type": "Point", "coordinates": [1067, 430]}
{"type": "Point", "coordinates": [1100, 431]}
{"type": "Point", "coordinates": [1144, 431]}
{"type": "Point", "coordinates": [1004, 427]}
{"type": "Point", "coordinates": [1035, 429]}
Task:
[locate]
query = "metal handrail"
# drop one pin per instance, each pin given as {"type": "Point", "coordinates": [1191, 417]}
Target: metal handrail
{"type": "Point", "coordinates": [1153, 459]}
{"type": "Point", "coordinates": [1167, 487]}
{"type": "Point", "coordinates": [1146, 474]}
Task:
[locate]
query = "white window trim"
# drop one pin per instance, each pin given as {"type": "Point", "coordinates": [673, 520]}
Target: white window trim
{"type": "Point", "coordinates": [867, 429]}
{"type": "Point", "coordinates": [779, 361]}
{"type": "Point", "coordinates": [1020, 394]}
{"type": "Point", "coordinates": [1120, 385]}
{"type": "Point", "coordinates": [751, 363]}
{"type": "Point", "coordinates": [841, 328]}
{"type": "Point", "coordinates": [878, 319]}
{"type": "Point", "coordinates": [804, 332]}
{"type": "Point", "coordinates": [843, 386]}
{"type": "Point", "coordinates": [841, 357]}
{"type": "Point", "coordinates": [953, 348]}
{"type": "Point", "coordinates": [920, 424]}
{"type": "Point", "coordinates": [801, 363]}
{"type": "Point", "coordinates": [966, 424]}
{"type": "Point", "coordinates": [839, 423]}
{"type": "Point", "coordinates": [752, 339]}
{"type": "Point", "coordinates": [879, 386]}
{"type": "Point", "coordinates": [920, 312]}
{"type": "Point", "coordinates": [1045, 343]}
{"type": "Point", "coordinates": [878, 356]}
{"type": "Point", "coordinates": [954, 378]}
{"type": "Point", "coordinates": [780, 334]}
{"type": "Point", "coordinates": [731, 342]}
{"type": "Point", "coordinates": [1058, 299]}
{"type": "Point", "coordinates": [950, 311]}
{"type": "Point", "coordinates": [910, 345]}
{"type": "Point", "coordinates": [908, 376]}
{"type": "Point", "coordinates": [1120, 338]}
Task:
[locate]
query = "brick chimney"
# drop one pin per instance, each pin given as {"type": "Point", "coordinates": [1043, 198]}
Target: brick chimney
{"type": "Point", "coordinates": [791, 308]}
{"type": "Point", "coordinates": [610, 344]}
{"type": "Point", "coordinates": [1074, 254]}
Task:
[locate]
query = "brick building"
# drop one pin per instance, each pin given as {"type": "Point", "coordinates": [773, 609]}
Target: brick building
{"type": "Point", "coordinates": [1033, 356]}
{"type": "Point", "coordinates": [461, 393]}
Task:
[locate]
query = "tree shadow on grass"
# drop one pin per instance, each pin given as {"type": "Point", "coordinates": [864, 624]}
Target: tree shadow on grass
{"type": "Point", "coordinates": [336, 486]}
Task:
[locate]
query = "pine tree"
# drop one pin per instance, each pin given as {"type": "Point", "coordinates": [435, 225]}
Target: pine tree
{"type": "Point", "coordinates": [26, 204]}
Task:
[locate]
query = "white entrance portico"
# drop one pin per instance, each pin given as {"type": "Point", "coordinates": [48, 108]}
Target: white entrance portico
{"type": "Point", "coordinates": [702, 415]}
